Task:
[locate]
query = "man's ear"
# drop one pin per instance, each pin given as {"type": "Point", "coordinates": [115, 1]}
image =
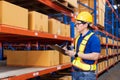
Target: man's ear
{"type": "Point", "coordinates": [86, 25]}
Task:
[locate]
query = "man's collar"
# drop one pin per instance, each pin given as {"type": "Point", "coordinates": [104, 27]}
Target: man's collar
{"type": "Point", "coordinates": [86, 33]}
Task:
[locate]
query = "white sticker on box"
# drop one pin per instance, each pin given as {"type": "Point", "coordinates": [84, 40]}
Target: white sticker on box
{"type": "Point", "coordinates": [55, 36]}
{"type": "Point", "coordinates": [59, 67]}
{"type": "Point", "coordinates": [36, 74]}
{"type": "Point", "coordinates": [36, 33]}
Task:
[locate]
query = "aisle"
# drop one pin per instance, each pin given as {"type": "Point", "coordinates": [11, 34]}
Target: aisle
{"type": "Point", "coordinates": [112, 74]}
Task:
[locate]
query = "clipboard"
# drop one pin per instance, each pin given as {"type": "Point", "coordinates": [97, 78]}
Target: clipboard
{"type": "Point", "coordinates": [58, 48]}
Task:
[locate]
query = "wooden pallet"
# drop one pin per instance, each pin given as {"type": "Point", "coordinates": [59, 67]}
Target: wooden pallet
{"type": "Point", "coordinates": [65, 4]}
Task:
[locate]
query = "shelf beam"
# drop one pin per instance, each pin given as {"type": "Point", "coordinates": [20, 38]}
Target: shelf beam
{"type": "Point", "coordinates": [56, 7]}
{"type": "Point", "coordinates": [14, 34]}
{"type": "Point", "coordinates": [35, 72]}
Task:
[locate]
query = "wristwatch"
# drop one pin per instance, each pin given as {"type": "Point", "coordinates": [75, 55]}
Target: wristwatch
{"type": "Point", "coordinates": [76, 55]}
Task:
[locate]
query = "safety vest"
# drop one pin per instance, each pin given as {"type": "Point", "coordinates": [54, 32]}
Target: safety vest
{"type": "Point", "coordinates": [78, 62]}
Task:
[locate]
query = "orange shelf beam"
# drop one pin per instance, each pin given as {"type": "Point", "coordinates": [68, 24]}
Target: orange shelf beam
{"type": "Point", "coordinates": [56, 7]}
{"type": "Point", "coordinates": [39, 73]}
{"type": "Point", "coordinates": [9, 31]}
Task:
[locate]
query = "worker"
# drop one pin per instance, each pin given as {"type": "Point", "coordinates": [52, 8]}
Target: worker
{"type": "Point", "coordinates": [87, 49]}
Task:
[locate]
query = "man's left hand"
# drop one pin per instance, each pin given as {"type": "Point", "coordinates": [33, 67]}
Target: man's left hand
{"type": "Point", "coordinates": [70, 53]}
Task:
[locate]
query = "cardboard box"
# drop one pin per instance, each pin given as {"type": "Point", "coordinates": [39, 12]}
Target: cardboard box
{"type": "Point", "coordinates": [42, 58]}
{"type": "Point", "coordinates": [67, 30]}
{"type": "Point", "coordinates": [103, 40]}
{"type": "Point", "coordinates": [5, 52]}
{"type": "Point", "coordinates": [38, 21]}
{"type": "Point", "coordinates": [76, 32]}
{"type": "Point", "coordinates": [64, 59]}
{"type": "Point", "coordinates": [73, 3]}
{"type": "Point", "coordinates": [63, 78]}
{"type": "Point", "coordinates": [63, 29]}
{"type": "Point", "coordinates": [101, 12]}
{"type": "Point", "coordinates": [33, 58]}
{"type": "Point", "coordinates": [54, 26]}
{"type": "Point", "coordinates": [103, 52]}
{"type": "Point", "coordinates": [56, 58]}
{"type": "Point", "coordinates": [13, 15]}
{"type": "Point", "coordinates": [17, 58]}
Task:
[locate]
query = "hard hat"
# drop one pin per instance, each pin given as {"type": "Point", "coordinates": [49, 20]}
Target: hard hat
{"type": "Point", "coordinates": [84, 16]}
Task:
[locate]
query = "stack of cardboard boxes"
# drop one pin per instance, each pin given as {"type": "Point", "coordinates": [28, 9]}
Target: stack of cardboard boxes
{"type": "Point", "coordinates": [41, 58]}
{"type": "Point", "coordinates": [73, 3]}
{"type": "Point", "coordinates": [102, 66]}
{"type": "Point", "coordinates": [18, 17]}
{"type": "Point", "coordinates": [38, 21]}
{"type": "Point", "coordinates": [13, 15]}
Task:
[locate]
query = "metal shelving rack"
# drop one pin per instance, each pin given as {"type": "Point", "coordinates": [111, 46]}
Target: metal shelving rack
{"type": "Point", "coordinates": [23, 73]}
{"type": "Point", "coordinates": [10, 34]}
{"type": "Point", "coordinates": [111, 15]}
{"type": "Point", "coordinates": [114, 16]}
{"type": "Point", "coordinates": [14, 35]}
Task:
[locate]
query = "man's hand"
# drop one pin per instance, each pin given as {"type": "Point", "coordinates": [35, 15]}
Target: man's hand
{"type": "Point", "coordinates": [70, 53]}
{"type": "Point", "coordinates": [65, 48]}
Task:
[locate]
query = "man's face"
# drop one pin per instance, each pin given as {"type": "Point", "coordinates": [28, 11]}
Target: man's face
{"type": "Point", "coordinates": [80, 26]}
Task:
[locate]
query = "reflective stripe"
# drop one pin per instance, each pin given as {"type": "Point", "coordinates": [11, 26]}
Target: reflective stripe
{"type": "Point", "coordinates": [77, 62]}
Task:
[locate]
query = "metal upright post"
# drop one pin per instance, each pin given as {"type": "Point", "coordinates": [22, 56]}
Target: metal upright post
{"type": "Point", "coordinates": [117, 23]}
{"type": "Point", "coordinates": [37, 45]}
{"type": "Point", "coordinates": [1, 51]}
{"type": "Point", "coordinates": [28, 46]}
{"type": "Point", "coordinates": [72, 31]}
{"type": "Point", "coordinates": [95, 13]}
{"type": "Point", "coordinates": [112, 21]}
{"type": "Point", "coordinates": [118, 26]}
{"type": "Point", "coordinates": [65, 19]}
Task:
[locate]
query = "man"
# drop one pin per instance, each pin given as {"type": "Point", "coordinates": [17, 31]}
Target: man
{"type": "Point", "coordinates": [87, 49]}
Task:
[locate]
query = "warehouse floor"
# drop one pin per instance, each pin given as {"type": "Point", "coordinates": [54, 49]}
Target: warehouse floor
{"type": "Point", "coordinates": [112, 74]}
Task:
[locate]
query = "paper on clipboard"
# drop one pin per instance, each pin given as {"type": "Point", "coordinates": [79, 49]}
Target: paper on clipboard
{"type": "Point", "coordinates": [58, 48]}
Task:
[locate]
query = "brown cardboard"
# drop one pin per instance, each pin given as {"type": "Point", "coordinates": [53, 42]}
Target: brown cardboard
{"type": "Point", "coordinates": [13, 15]}
{"type": "Point", "coordinates": [63, 29]}
{"type": "Point", "coordinates": [67, 30]}
{"type": "Point", "coordinates": [64, 59]}
{"type": "Point", "coordinates": [73, 3]}
{"type": "Point", "coordinates": [42, 58]}
{"type": "Point", "coordinates": [54, 26]}
{"type": "Point", "coordinates": [38, 21]}
{"type": "Point", "coordinates": [16, 58]}
{"type": "Point", "coordinates": [33, 58]}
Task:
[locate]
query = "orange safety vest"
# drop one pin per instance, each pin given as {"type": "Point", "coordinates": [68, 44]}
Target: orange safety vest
{"type": "Point", "coordinates": [77, 62]}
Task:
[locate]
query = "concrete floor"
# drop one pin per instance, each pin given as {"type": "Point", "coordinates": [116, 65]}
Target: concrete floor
{"type": "Point", "coordinates": [112, 74]}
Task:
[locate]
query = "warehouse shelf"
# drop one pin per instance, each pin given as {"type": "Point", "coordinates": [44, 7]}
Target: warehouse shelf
{"type": "Point", "coordinates": [45, 6]}
{"type": "Point", "coordinates": [112, 55]}
{"type": "Point", "coordinates": [56, 7]}
{"type": "Point", "coordinates": [113, 10]}
{"type": "Point", "coordinates": [12, 34]}
{"type": "Point", "coordinates": [102, 58]}
{"type": "Point", "coordinates": [112, 65]}
{"type": "Point", "coordinates": [23, 73]}
{"type": "Point", "coordinates": [109, 45]}
{"type": "Point", "coordinates": [102, 71]}
{"type": "Point", "coordinates": [64, 4]}
{"type": "Point", "coordinates": [19, 37]}
{"type": "Point", "coordinates": [97, 28]}
{"type": "Point", "coordinates": [99, 73]}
